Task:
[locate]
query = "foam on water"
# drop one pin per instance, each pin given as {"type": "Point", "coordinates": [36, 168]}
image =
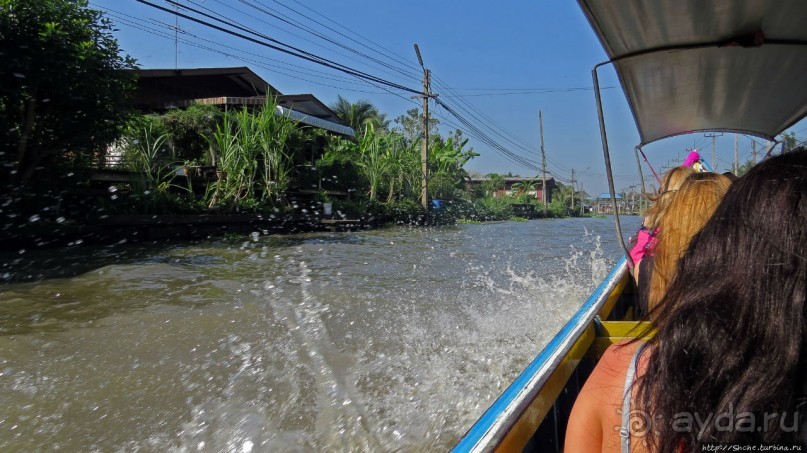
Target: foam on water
{"type": "Point", "coordinates": [416, 387]}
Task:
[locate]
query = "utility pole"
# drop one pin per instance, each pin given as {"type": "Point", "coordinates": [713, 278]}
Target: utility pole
{"type": "Point", "coordinates": [714, 155]}
{"type": "Point", "coordinates": [736, 154]}
{"type": "Point", "coordinates": [580, 189]}
{"type": "Point", "coordinates": [424, 145]}
{"type": "Point", "coordinates": [572, 189]}
{"type": "Point", "coordinates": [754, 150]}
{"type": "Point", "coordinates": [543, 161]}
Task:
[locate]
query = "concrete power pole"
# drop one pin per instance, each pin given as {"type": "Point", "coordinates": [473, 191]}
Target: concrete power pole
{"type": "Point", "coordinates": [736, 154]}
{"type": "Point", "coordinates": [424, 146]}
{"type": "Point", "coordinates": [543, 161]}
{"type": "Point", "coordinates": [572, 189]}
{"type": "Point", "coordinates": [714, 155]}
{"type": "Point", "coordinates": [754, 151]}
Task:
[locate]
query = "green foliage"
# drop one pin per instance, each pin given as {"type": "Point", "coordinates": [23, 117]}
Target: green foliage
{"type": "Point", "coordinates": [410, 126]}
{"type": "Point", "coordinates": [252, 150]}
{"type": "Point", "coordinates": [187, 129]}
{"type": "Point", "coordinates": [745, 167]}
{"type": "Point", "coordinates": [380, 156]}
{"type": "Point", "coordinates": [494, 182]}
{"type": "Point", "coordinates": [789, 142]}
{"type": "Point", "coordinates": [406, 212]}
{"type": "Point", "coordinates": [491, 208]}
{"type": "Point", "coordinates": [338, 169]}
{"type": "Point", "coordinates": [146, 153]}
{"type": "Point", "coordinates": [64, 90]}
{"type": "Point", "coordinates": [522, 187]}
{"type": "Point", "coordinates": [358, 115]}
{"type": "Point", "coordinates": [273, 133]}
{"type": "Point", "coordinates": [525, 198]}
{"type": "Point", "coordinates": [349, 209]}
{"type": "Point", "coordinates": [447, 160]}
{"type": "Point", "coordinates": [557, 208]}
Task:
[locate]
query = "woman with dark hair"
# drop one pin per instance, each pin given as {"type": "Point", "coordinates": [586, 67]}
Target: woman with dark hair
{"type": "Point", "coordinates": [729, 361]}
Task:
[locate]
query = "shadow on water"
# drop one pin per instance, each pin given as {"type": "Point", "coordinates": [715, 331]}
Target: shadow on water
{"type": "Point", "coordinates": [59, 289]}
{"type": "Point", "coordinates": [27, 265]}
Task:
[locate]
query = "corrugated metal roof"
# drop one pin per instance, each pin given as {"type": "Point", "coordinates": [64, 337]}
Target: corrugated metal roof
{"type": "Point", "coordinates": [289, 113]}
{"type": "Point", "coordinates": [316, 122]}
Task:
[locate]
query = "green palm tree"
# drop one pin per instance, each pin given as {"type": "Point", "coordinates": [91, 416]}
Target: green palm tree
{"type": "Point", "coordinates": [359, 114]}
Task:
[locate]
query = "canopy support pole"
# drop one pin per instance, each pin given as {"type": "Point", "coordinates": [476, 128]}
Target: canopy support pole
{"type": "Point", "coordinates": [770, 148]}
{"type": "Point", "coordinates": [608, 172]}
{"type": "Point", "coordinates": [639, 165]}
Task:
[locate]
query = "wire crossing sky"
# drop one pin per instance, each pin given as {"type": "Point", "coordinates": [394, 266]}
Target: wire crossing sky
{"type": "Point", "coordinates": [494, 69]}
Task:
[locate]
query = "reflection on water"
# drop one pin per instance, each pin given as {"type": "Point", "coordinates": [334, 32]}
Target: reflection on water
{"type": "Point", "coordinates": [393, 339]}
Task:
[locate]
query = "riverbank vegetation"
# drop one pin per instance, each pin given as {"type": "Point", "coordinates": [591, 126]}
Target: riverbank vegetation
{"type": "Point", "coordinates": [75, 151]}
{"type": "Point", "coordinates": [253, 160]}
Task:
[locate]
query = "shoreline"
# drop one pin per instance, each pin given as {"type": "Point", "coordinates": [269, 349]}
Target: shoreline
{"type": "Point", "coordinates": [165, 228]}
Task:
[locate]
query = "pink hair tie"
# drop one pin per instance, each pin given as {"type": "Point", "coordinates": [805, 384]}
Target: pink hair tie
{"type": "Point", "coordinates": [691, 159]}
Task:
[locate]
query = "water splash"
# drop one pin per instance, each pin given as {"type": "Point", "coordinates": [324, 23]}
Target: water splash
{"type": "Point", "coordinates": [392, 340]}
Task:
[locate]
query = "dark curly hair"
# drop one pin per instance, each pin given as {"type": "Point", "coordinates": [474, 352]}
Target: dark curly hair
{"type": "Point", "coordinates": [732, 328]}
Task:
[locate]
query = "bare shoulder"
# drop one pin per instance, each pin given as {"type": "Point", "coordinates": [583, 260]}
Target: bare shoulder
{"type": "Point", "coordinates": [595, 419]}
{"type": "Point", "coordinates": [617, 357]}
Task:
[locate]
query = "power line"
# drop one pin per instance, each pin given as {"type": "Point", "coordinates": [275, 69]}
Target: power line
{"type": "Point", "coordinates": [367, 78]}
{"type": "Point", "coordinates": [501, 132]}
{"type": "Point", "coordinates": [319, 74]}
{"type": "Point", "coordinates": [521, 93]}
{"type": "Point", "coordinates": [285, 19]}
{"type": "Point", "coordinates": [496, 146]}
{"type": "Point", "coordinates": [294, 51]}
{"type": "Point", "coordinates": [393, 55]}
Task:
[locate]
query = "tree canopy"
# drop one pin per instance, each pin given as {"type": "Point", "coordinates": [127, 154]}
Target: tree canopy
{"type": "Point", "coordinates": [64, 91]}
{"type": "Point", "coordinates": [359, 114]}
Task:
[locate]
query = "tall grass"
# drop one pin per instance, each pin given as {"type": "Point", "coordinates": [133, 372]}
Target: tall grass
{"type": "Point", "coordinates": [253, 154]}
{"type": "Point", "coordinates": [147, 155]}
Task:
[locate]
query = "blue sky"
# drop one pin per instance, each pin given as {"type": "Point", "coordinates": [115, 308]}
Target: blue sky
{"type": "Point", "coordinates": [497, 66]}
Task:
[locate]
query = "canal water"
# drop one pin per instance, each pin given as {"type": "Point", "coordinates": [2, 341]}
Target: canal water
{"type": "Point", "coordinates": [387, 340]}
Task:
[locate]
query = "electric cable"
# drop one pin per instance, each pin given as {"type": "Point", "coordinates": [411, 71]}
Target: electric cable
{"type": "Point", "coordinates": [301, 54]}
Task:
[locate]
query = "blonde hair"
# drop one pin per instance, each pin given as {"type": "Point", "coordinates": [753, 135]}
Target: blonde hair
{"type": "Point", "coordinates": [687, 213]}
{"type": "Point", "coordinates": [669, 185]}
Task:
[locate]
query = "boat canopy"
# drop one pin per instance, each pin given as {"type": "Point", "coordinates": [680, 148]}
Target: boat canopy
{"type": "Point", "coordinates": [698, 65]}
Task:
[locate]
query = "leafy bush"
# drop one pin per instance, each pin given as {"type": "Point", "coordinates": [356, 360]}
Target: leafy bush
{"type": "Point", "coordinates": [558, 209]}
{"type": "Point", "coordinates": [491, 208]}
{"type": "Point", "coordinates": [64, 86]}
{"type": "Point", "coordinates": [187, 129]}
{"type": "Point", "coordinates": [338, 168]}
{"type": "Point", "coordinates": [406, 211]}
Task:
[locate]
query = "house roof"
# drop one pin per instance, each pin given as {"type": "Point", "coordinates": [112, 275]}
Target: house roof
{"type": "Point", "coordinates": [160, 89]}
{"type": "Point", "coordinates": [295, 115]}
{"type": "Point", "coordinates": [309, 105]}
{"type": "Point", "coordinates": [706, 65]}
{"type": "Point", "coordinates": [514, 179]}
